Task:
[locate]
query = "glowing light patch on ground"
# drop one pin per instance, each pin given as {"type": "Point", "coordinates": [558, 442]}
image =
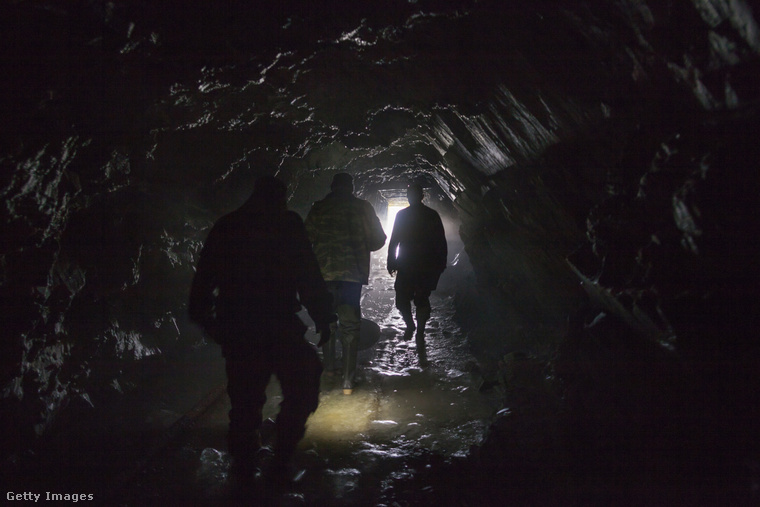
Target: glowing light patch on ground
{"type": "Point", "coordinates": [341, 417]}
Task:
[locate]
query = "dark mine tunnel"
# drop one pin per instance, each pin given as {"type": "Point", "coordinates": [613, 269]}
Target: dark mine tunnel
{"type": "Point", "coordinates": [595, 164]}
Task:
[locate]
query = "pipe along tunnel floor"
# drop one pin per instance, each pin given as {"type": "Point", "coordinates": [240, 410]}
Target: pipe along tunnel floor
{"type": "Point", "coordinates": [358, 449]}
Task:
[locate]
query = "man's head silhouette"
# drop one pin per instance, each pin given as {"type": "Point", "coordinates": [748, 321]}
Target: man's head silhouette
{"type": "Point", "coordinates": [414, 193]}
{"type": "Point", "coordinates": [269, 193]}
{"type": "Point", "coordinates": [342, 182]}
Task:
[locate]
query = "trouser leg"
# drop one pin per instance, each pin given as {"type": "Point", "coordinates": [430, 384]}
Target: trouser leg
{"type": "Point", "coordinates": [298, 368]}
{"type": "Point", "coordinates": [404, 294]}
{"type": "Point", "coordinates": [247, 378]}
{"type": "Point", "coordinates": [346, 301]}
{"type": "Point", "coordinates": [422, 304]}
{"type": "Point", "coordinates": [404, 305]}
{"type": "Point", "coordinates": [329, 349]}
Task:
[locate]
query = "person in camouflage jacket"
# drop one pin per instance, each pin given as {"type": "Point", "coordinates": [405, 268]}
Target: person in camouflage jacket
{"type": "Point", "coordinates": [343, 230]}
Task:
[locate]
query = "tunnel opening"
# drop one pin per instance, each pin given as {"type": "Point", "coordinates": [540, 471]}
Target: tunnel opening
{"type": "Point", "coordinates": [395, 204]}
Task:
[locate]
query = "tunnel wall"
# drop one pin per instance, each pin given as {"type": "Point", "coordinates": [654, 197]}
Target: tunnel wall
{"type": "Point", "coordinates": [610, 134]}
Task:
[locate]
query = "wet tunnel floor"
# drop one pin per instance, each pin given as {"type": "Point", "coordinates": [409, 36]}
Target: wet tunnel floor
{"type": "Point", "coordinates": [358, 449]}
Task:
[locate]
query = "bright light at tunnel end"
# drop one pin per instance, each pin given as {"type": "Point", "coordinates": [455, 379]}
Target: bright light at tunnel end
{"type": "Point", "coordinates": [392, 211]}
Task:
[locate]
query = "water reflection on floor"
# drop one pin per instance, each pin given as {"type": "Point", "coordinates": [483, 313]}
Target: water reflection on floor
{"type": "Point", "coordinates": [357, 448]}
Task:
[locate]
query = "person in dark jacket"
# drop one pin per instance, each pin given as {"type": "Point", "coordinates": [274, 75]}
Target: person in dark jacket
{"type": "Point", "coordinates": [255, 271]}
{"type": "Point", "coordinates": [417, 252]}
{"type": "Point", "coordinates": [344, 230]}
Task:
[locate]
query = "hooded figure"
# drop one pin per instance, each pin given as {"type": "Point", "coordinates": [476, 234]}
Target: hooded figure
{"type": "Point", "coordinates": [343, 230]}
{"type": "Point", "coordinates": [255, 271]}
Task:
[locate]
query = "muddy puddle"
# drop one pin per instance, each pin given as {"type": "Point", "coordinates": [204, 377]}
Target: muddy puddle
{"type": "Point", "coordinates": [358, 449]}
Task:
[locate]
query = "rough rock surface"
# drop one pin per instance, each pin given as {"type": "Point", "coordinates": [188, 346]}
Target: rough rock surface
{"type": "Point", "coordinates": [597, 145]}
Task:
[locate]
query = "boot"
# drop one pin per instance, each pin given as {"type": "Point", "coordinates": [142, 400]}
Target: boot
{"type": "Point", "coordinates": [279, 475]}
{"type": "Point", "coordinates": [420, 340]}
{"type": "Point", "coordinates": [423, 314]}
{"type": "Point", "coordinates": [244, 450]}
{"type": "Point", "coordinates": [328, 354]}
{"type": "Point", "coordinates": [350, 352]}
{"type": "Point", "coordinates": [420, 330]}
{"type": "Point", "coordinates": [421, 350]}
{"type": "Point", "coordinates": [410, 327]}
{"type": "Point", "coordinates": [281, 471]}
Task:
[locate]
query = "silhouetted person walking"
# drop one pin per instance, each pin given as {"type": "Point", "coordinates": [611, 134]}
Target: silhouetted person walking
{"type": "Point", "coordinates": [417, 251]}
{"type": "Point", "coordinates": [255, 271]}
{"type": "Point", "coordinates": [344, 230]}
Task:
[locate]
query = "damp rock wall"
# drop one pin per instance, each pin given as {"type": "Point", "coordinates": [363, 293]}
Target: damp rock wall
{"type": "Point", "coordinates": [596, 152]}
